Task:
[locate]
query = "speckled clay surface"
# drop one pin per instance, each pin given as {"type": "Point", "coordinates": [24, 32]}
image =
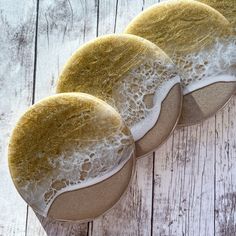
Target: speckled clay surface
{"type": "Point", "coordinates": [130, 73]}
{"type": "Point", "coordinates": [67, 142]}
{"type": "Point", "coordinates": [198, 39]}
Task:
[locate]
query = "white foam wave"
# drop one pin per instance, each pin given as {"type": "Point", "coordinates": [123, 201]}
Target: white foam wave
{"type": "Point", "coordinates": [215, 64]}
{"type": "Point", "coordinates": [87, 164]}
{"type": "Point", "coordinates": [139, 95]}
{"type": "Point", "coordinates": [139, 129]}
{"type": "Point", "coordinates": [208, 81]}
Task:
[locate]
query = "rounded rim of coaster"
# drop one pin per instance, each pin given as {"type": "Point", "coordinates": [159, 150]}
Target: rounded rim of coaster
{"type": "Point", "coordinates": [120, 199]}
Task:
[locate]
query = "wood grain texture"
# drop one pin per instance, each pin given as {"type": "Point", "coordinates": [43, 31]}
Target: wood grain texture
{"type": "Point", "coordinates": [132, 214]}
{"type": "Point", "coordinates": [184, 183]}
{"type": "Point", "coordinates": [126, 11]}
{"type": "Point", "coordinates": [107, 17]}
{"type": "Point", "coordinates": [40, 226]}
{"type": "Point", "coordinates": [225, 171]}
{"type": "Point", "coordinates": [194, 191]}
{"type": "Point", "coordinates": [62, 27]}
{"type": "Point", "coordinates": [17, 24]}
{"type": "Point", "coordinates": [187, 188]}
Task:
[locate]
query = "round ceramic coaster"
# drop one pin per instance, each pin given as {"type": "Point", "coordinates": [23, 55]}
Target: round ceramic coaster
{"type": "Point", "coordinates": [197, 38]}
{"type": "Point", "coordinates": [226, 8]}
{"type": "Point", "coordinates": [134, 76]}
{"type": "Point", "coordinates": [71, 157]}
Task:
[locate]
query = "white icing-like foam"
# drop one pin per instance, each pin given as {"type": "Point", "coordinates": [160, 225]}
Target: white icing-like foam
{"type": "Point", "coordinates": [89, 163]}
{"type": "Point", "coordinates": [207, 81]}
{"type": "Point", "coordinates": [153, 78]}
{"type": "Point", "coordinates": [143, 126]}
{"type": "Point", "coordinates": [216, 64]}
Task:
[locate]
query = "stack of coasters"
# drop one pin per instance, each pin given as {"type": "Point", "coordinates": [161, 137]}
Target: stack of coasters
{"type": "Point", "coordinates": [72, 155]}
{"type": "Point", "coordinates": [134, 76]}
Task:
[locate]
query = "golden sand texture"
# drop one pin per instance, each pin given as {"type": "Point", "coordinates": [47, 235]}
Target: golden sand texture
{"type": "Point", "coordinates": [196, 37]}
{"type": "Point", "coordinates": [66, 142]}
{"type": "Point", "coordinates": [180, 26]}
{"type": "Point", "coordinates": [226, 8]}
{"type": "Point", "coordinates": [124, 70]}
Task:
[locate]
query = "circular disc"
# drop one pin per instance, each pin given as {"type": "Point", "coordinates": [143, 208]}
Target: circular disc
{"type": "Point", "coordinates": [68, 153]}
{"type": "Point", "coordinates": [134, 76]}
{"type": "Point", "coordinates": [226, 7]}
{"type": "Point", "coordinates": [199, 40]}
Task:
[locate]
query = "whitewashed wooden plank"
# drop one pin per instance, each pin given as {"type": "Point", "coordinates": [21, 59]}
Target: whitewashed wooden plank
{"type": "Point", "coordinates": [107, 17]}
{"type": "Point", "coordinates": [63, 25]}
{"type": "Point", "coordinates": [184, 182]}
{"type": "Point", "coordinates": [126, 11]}
{"type": "Point", "coordinates": [148, 3]}
{"type": "Point", "coordinates": [183, 192]}
{"type": "Point", "coordinates": [225, 171]}
{"type": "Point", "coordinates": [17, 24]}
{"type": "Point", "coordinates": [40, 226]}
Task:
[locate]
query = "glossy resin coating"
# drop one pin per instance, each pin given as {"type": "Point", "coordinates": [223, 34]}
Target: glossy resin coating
{"type": "Point", "coordinates": [226, 8]}
{"type": "Point", "coordinates": [197, 38]}
{"type": "Point", "coordinates": [130, 73]}
{"type": "Point", "coordinates": [66, 142]}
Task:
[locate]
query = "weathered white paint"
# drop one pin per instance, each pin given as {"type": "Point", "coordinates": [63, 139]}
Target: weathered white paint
{"type": "Point", "coordinates": [225, 171]}
{"type": "Point", "coordinates": [17, 24]}
{"type": "Point", "coordinates": [107, 17]}
{"type": "Point", "coordinates": [126, 11]}
{"type": "Point", "coordinates": [62, 27]}
{"type": "Point", "coordinates": [40, 226]}
{"type": "Point", "coordinates": [184, 183]}
{"type": "Point", "coordinates": [190, 189]}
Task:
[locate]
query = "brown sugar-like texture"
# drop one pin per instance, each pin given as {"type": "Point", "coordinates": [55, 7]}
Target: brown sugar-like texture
{"type": "Point", "coordinates": [226, 8]}
{"type": "Point", "coordinates": [183, 26]}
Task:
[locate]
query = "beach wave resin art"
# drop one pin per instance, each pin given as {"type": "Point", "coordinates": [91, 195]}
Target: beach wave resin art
{"type": "Point", "coordinates": [200, 42]}
{"type": "Point", "coordinates": [135, 77]}
{"type": "Point", "coordinates": [71, 156]}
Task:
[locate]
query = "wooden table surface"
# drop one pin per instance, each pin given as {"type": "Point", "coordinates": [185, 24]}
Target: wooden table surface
{"type": "Point", "coordinates": [187, 187]}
